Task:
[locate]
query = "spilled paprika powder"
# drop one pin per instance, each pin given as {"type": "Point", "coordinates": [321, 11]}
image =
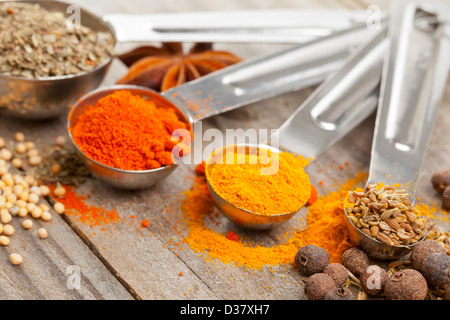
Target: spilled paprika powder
{"type": "Point", "coordinates": [127, 132]}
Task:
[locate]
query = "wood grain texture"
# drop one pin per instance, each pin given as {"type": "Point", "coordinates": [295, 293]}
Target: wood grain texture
{"type": "Point", "coordinates": [124, 260]}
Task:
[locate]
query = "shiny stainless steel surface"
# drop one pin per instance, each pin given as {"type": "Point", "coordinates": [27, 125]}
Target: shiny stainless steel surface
{"type": "Point", "coordinates": [274, 26]}
{"type": "Point", "coordinates": [336, 107]}
{"type": "Point", "coordinates": [267, 76]}
{"type": "Point", "coordinates": [49, 97]}
{"type": "Point", "coordinates": [335, 101]}
{"type": "Point", "coordinates": [249, 81]}
{"type": "Point", "coordinates": [413, 82]}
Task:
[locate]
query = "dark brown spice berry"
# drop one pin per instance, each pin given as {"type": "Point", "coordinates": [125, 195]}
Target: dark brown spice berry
{"type": "Point", "coordinates": [311, 259]}
{"type": "Point", "coordinates": [436, 269]}
{"type": "Point", "coordinates": [408, 284]}
{"type": "Point", "coordinates": [340, 294]}
{"type": "Point", "coordinates": [422, 250]}
{"type": "Point", "coordinates": [338, 272]}
{"type": "Point", "coordinates": [446, 199]}
{"type": "Point", "coordinates": [373, 280]}
{"type": "Point", "coordinates": [355, 260]}
{"type": "Point", "coordinates": [447, 292]}
{"type": "Point", "coordinates": [318, 285]}
{"type": "Point", "coordinates": [441, 180]}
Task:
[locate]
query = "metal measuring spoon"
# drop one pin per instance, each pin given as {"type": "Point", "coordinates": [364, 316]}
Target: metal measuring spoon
{"type": "Point", "coordinates": [413, 83]}
{"type": "Point", "coordinates": [333, 110]}
{"type": "Point", "coordinates": [250, 81]}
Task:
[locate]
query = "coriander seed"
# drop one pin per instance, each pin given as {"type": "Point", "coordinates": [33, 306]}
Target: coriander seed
{"type": "Point", "coordinates": [8, 230]}
{"type": "Point", "coordinates": [36, 212]}
{"type": "Point", "coordinates": [59, 208]}
{"type": "Point", "coordinates": [15, 259]}
{"type": "Point", "coordinates": [42, 233]}
{"type": "Point", "coordinates": [19, 136]}
{"type": "Point", "coordinates": [60, 192]}
{"type": "Point", "coordinates": [4, 240]}
{"type": "Point", "coordinates": [27, 224]}
{"type": "Point", "coordinates": [46, 216]}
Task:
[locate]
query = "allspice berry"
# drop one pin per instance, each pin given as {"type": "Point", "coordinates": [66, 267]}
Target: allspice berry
{"type": "Point", "coordinates": [447, 292]}
{"type": "Point", "coordinates": [441, 180]}
{"type": "Point", "coordinates": [408, 284]}
{"type": "Point", "coordinates": [436, 269]}
{"type": "Point", "coordinates": [318, 285]}
{"type": "Point", "coordinates": [338, 272]}
{"type": "Point", "coordinates": [311, 259]}
{"type": "Point", "coordinates": [340, 294]}
{"type": "Point", "coordinates": [422, 250]}
{"type": "Point", "coordinates": [355, 260]}
{"type": "Point", "coordinates": [373, 280]}
{"type": "Point", "coordinates": [446, 199]}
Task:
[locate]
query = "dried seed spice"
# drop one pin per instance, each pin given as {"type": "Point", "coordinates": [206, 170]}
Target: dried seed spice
{"type": "Point", "coordinates": [37, 43]}
{"type": "Point", "coordinates": [436, 269]}
{"type": "Point", "coordinates": [355, 260]}
{"type": "Point", "coordinates": [406, 284]}
{"type": "Point", "coordinates": [311, 259]}
{"type": "Point", "coordinates": [338, 272]}
{"type": "Point", "coordinates": [385, 213]}
{"type": "Point", "coordinates": [340, 294]}
{"type": "Point", "coordinates": [421, 252]}
{"type": "Point", "coordinates": [373, 280]}
{"type": "Point", "coordinates": [318, 286]}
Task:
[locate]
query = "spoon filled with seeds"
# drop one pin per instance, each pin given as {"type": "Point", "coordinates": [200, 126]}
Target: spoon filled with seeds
{"type": "Point", "coordinates": [382, 219]}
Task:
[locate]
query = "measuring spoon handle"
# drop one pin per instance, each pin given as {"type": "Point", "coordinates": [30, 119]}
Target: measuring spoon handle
{"type": "Point", "coordinates": [268, 76]}
{"type": "Point", "coordinates": [272, 26]}
{"type": "Point", "coordinates": [413, 82]}
{"type": "Point", "coordinates": [338, 105]}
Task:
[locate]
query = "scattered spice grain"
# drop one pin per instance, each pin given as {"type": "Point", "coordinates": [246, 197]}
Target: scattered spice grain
{"type": "Point", "coordinates": [16, 259]}
{"type": "Point", "coordinates": [42, 233]}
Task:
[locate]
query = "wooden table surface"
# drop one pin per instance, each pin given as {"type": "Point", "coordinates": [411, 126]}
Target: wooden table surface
{"type": "Point", "coordinates": [141, 263]}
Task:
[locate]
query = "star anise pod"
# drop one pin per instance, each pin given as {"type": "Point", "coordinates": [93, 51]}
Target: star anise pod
{"type": "Point", "coordinates": [161, 68]}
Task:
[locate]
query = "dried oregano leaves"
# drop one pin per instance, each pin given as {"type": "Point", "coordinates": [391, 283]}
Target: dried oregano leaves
{"type": "Point", "coordinates": [36, 43]}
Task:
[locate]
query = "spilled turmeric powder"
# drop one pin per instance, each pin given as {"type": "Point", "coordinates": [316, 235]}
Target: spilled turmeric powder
{"type": "Point", "coordinates": [326, 228]}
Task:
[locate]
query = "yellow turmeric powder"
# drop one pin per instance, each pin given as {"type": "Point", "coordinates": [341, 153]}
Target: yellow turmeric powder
{"type": "Point", "coordinates": [326, 228]}
{"type": "Point", "coordinates": [283, 188]}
